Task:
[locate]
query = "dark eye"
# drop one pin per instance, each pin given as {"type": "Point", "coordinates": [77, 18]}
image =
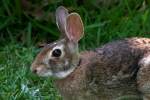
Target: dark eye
{"type": "Point", "coordinates": [56, 53]}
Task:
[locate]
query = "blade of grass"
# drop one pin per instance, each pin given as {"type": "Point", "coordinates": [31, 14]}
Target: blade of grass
{"type": "Point", "coordinates": [6, 23]}
{"type": "Point", "coordinates": [128, 7]}
{"type": "Point", "coordinates": [98, 36]}
{"type": "Point", "coordinates": [12, 38]}
{"type": "Point", "coordinates": [17, 9]}
{"type": "Point", "coordinates": [29, 32]}
{"type": "Point", "coordinates": [96, 25]}
{"type": "Point", "coordinates": [6, 6]}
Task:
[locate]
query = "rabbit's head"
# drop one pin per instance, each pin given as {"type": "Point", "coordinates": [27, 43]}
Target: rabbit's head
{"type": "Point", "coordinates": [61, 57]}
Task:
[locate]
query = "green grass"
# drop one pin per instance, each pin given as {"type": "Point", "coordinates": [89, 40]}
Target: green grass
{"type": "Point", "coordinates": [16, 81]}
{"type": "Point", "coordinates": [21, 30]}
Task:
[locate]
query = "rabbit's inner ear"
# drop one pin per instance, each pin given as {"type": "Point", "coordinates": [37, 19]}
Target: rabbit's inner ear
{"type": "Point", "coordinates": [74, 27]}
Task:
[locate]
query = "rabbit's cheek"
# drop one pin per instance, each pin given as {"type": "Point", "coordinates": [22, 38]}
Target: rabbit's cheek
{"type": "Point", "coordinates": [53, 62]}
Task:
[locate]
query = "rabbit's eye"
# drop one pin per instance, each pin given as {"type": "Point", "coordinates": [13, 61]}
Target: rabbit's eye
{"type": "Point", "coordinates": [56, 53]}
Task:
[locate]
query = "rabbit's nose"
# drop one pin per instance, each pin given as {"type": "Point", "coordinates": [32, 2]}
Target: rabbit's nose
{"type": "Point", "coordinates": [34, 71]}
{"type": "Point", "coordinates": [37, 70]}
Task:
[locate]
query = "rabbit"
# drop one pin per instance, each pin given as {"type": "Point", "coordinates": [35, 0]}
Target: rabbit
{"type": "Point", "coordinates": [115, 70]}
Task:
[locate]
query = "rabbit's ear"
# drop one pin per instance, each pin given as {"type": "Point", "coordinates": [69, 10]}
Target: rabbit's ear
{"type": "Point", "coordinates": [74, 27]}
{"type": "Point", "coordinates": [61, 15]}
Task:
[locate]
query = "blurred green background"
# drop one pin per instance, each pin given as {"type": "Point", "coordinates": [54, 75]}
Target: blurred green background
{"type": "Point", "coordinates": [25, 24]}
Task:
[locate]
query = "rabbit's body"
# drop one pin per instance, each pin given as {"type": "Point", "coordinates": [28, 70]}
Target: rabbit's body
{"type": "Point", "coordinates": [94, 79]}
{"type": "Point", "coordinates": [117, 69]}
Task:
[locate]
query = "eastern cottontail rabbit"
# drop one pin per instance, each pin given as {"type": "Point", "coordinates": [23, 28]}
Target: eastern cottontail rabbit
{"type": "Point", "coordinates": [117, 69]}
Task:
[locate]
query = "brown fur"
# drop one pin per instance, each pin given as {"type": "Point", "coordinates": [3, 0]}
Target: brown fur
{"type": "Point", "coordinates": [114, 70]}
{"type": "Point", "coordinates": [108, 72]}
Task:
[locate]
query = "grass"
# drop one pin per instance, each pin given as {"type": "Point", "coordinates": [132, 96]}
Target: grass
{"type": "Point", "coordinates": [17, 82]}
{"type": "Point", "coordinates": [21, 29]}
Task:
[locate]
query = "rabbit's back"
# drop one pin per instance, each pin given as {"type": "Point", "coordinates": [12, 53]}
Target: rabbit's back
{"type": "Point", "coordinates": [122, 57]}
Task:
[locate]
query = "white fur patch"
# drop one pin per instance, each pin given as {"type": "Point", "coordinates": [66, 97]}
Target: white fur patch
{"type": "Point", "coordinates": [146, 61]}
{"type": "Point", "coordinates": [63, 74]}
{"type": "Point", "coordinates": [58, 47]}
{"type": "Point", "coordinates": [66, 62]}
{"type": "Point", "coordinates": [49, 73]}
{"type": "Point", "coordinates": [60, 75]}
